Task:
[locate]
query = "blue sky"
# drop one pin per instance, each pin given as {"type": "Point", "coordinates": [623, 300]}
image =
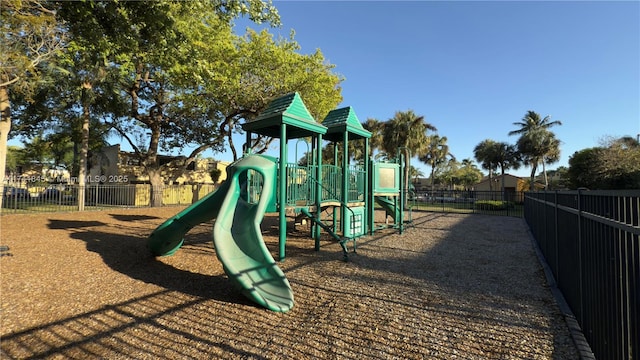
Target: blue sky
{"type": "Point", "coordinates": [474, 68]}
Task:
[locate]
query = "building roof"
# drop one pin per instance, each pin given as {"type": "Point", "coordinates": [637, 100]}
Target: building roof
{"type": "Point", "coordinates": [498, 176]}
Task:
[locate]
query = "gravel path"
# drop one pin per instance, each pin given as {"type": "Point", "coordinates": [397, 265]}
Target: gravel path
{"type": "Point", "coordinates": [83, 286]}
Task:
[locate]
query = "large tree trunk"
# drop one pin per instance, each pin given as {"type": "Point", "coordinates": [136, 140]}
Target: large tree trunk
{"type": "Point", "coordinates": [491, 181]}
{"type": "Point", "coordinates": [5, 127]}
{"type": "Point", "coordinates": [504, 198]}
{"type": "Point", "coordinates": [84, 148]}
{"type": "Point", "coordinates": [433, 172]}
{"type": "Point", "coordinates": [152, 166]}
{"type": "Point", "coordinates": [544, 171]}
{"type": "Point", "coordinates": [532, 180]}
{"type": "Point", "coordinates": [157, 187]}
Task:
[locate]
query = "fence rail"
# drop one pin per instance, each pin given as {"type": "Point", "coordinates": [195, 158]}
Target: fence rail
{"type": "Point", "coordinates": [591, 242]}
{"type": "Point", "coordinates": [509, 203]}
{"type": "Point", "coordinates": [65, 197]}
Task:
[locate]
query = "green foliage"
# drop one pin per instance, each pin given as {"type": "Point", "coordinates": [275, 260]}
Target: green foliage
{"type": "Point", "coordinates": [493, 205]}
{"type": "Point", "coordinates": [167, 74]}
{"type": "Point", "coordinates": [215, 174]}
{"type": "Point", "coordinates": [31, 35]}
{"type": "Point", "coordinates": [406, 130]}
{"type": "Point", "coordinates": [15, 158]}
{"type": "Point", "coordinates": [615, 165]}
{"type": "Point", "coordinates": [435, 155]}
{"type": "Point", "coordinates": [537, 145]}
{"type": "Point", "coordinates": [406, 133]}
{"type": "Point", "coordinates": [468, 173]}
{"type": "Point", "coordinates": [376, 141]}
{"type": "Point", "coordinates": [484, 153]}
{"type": "Point", "coordinates": [259, 68]}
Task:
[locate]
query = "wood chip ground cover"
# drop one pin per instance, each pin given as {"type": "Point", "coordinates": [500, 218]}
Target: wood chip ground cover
{"type": "Point", "coordinates": [452, 286]}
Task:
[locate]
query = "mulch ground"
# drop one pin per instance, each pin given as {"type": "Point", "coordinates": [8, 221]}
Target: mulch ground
{"type": "Point", "coordinates": [84, 286]}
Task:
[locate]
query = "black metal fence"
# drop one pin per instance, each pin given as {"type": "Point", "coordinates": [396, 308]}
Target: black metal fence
{"type": "Point", "coordinates": [509, 203]}
{"type": "Point", "coordinates": [591, 242]}
{"type": "Point", "coordinates": [52, 198]}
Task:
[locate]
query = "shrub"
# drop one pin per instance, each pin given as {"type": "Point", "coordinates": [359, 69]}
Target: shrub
{"type": "Point", "coordinates": [493, 205]}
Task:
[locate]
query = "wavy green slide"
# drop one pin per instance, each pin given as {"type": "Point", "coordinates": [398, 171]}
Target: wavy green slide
{"type": "Point", "coordinates": [389, 206]}
{"type": "Point", "coordinates": [237, 237]}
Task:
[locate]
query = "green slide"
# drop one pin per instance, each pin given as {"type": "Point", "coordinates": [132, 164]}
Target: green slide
{"type": "Point", "coordinates": [389, 206]}
{"type": "Point", "coordinates": [236, 235]}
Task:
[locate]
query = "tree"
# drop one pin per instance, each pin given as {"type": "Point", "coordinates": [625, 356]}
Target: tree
{"type": "Point", "coordinates": [613, 165]}
{"type": "Point", "coordinates": [261, 68]}
{"type": "Point", "coordinates": [618, 165]}
{"type": "Point", "coordinates": [448, 172]}
{"type": "Point", "coordinates": [31, 37]}
{"type": "Point", "coordinates": [406, 132]}
{"type": "Point", "coordinates": [15, 157]}
{"type": "Point", "coordinates": [415, 173]}
{"type": "Point", "coordinates": [532, 121]}
{"type": "Point", "coordinates": [376, 141]}
{"type": "Point", "coordinates": [485, 154]}
{"type": "Point", "coordinates": [558, 178]}
{"type": "Point", "coordinates": [507, 157]}
{"type": "Point", "coordinates": [582, 169]}
{"type": "Point", "coordinates": [539, 147]}
{"type": "Point", "coordinates": [468, 173]}
{"type": "Point", "coordinates": [197, 93]}
{"type": "Point", "coordinates": [492, 154]}
{"type": "Point", "coordinates": [62, 111]}
{"type": "Point", "coordinates": [537, 144]}
{"type": "Point", "coordinates": [435, 154]}
{"type": "Point", "coordinates": [188, 79]}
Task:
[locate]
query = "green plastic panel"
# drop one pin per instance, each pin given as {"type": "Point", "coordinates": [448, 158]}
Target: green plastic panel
{"type": "Point", "coordinates": [386, 178]}
{"type": "Point", "coordinates": [355, 222]}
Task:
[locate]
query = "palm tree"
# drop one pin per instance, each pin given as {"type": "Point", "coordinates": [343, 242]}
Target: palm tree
{"type": "Point", "coordinates": [469, 173]}
{"type": "Point", "coordinates": [539, 147]}
{"type": "Point", "coordinates": [374, 126]}
{"type": "Point", "coordinates": [484, 153]}
{"type": "Point", "coordinates": [406, 132]}
{"type": "Point", "coordinates": [507, 157]}
{"type": "Point", "coordinates": [492, 154]}
{"type": "Point", "coordinates": [415, 173]}
{"type": "Point", "coordinates": [534, 130]}
{"type": "Point", "coordinates": [435, 154]}
{"type": "Point", "coordinates": [532, 121]}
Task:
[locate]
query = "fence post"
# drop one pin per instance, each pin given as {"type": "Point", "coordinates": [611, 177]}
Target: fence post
{"type": "Point", "coordinates": [555, 234]}
{"type": "Point", "coordinates": [580, 250]}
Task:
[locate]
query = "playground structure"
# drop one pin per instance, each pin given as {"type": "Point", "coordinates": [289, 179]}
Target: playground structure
{"type": "Point", "coordinates": [259, 184]}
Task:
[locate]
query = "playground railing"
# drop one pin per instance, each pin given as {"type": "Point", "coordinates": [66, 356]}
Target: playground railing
{"type": "Point", "coordinates": [356, 184]}
{"type": "Point", "coordinates": [331, 180]}
{"type": "Point", "coordinates": [298, 189]}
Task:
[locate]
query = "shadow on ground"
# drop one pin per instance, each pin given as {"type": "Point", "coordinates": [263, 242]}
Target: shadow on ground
{"type": "Point", "coordinates": [129, 255]}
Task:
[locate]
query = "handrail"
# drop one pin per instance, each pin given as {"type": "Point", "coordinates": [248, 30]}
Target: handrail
{"type": "Point", "coordinates": [344, 205]}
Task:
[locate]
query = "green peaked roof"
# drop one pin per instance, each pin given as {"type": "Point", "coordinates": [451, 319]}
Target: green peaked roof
{"type": "Point", "coordinates": [286, 110]}
{"type": "Point", "coordinates": [343, 120]}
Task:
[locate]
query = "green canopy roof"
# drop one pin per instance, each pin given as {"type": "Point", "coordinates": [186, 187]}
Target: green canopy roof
{"type": "Point", "coordinates": [286, 110]}
{"type": "Point", "coordinates": [343, 120]}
